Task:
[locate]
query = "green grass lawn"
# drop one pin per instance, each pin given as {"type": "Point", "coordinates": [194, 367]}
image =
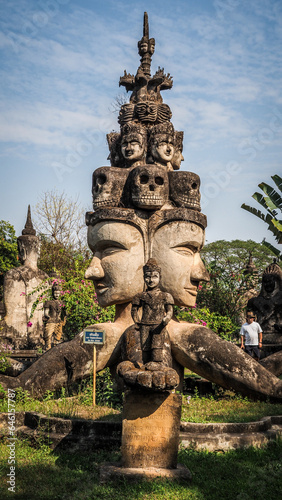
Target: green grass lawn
{"type": "Point", "coordinates": [43, 474]}
{"type": "Point", "coordinates": [237, 475]}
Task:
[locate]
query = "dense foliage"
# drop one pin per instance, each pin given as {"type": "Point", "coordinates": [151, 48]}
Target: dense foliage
{"type": "Point", "coordinates": [220, 324]}
{"type": "Point", "coordinates": [8, 250]}
{"type": "Point", "coordinates": [229, 285]}
{"type": "Point", "coordinates": [79, 300]}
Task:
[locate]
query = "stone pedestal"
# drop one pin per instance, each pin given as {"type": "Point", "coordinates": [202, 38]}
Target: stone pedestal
{"type": "Point", "coordinates": [150, 429]}
{"type": "Point", "coordinates": [150, 439]}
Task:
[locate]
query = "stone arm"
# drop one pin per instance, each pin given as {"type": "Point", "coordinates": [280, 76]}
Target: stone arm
{"type": "Point", "coordinates": [169, 314]}
{"type": "Point", "coordinates": [134, 312]}
{"type": "Point", "coordinates": [46, 315]}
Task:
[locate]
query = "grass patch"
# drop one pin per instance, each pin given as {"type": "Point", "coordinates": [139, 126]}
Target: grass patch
{"type": "Point", "coordinates": [236, 475]}
{"type": "Point", "coordinates": [227, 408]}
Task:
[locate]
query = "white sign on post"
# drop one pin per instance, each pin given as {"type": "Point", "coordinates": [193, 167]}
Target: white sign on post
{"type": "Point", "coordinates": [95, 337]}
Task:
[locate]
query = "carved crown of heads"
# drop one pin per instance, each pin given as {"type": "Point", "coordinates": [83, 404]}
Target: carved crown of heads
{"type": "Point", "coordinates": [145, 180]}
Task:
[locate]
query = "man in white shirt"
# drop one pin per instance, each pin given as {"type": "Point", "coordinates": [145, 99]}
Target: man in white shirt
{"type": "Point", "coordinates": [251, 332]}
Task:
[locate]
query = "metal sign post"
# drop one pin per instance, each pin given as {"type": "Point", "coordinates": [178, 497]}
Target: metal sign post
{"type": "Point", "coordinates": [95, 337]}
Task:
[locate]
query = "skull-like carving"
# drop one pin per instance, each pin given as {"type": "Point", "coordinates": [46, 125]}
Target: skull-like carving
{"type": "Point", "coordinates": [107, 186]}
{"type": "Point", "coordinates": [149, 187]}
{"type": "Point", "coordinates": [184, 188]}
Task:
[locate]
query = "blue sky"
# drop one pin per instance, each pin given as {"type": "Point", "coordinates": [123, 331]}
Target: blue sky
{"type": "Point", "coordinates": [60, 66]}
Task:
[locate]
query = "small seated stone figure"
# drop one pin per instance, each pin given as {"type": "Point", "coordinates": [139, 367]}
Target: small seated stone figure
{"type": "Point", "coordinates": [54, 318]}
{"type": "Point", "coordinates": [146, 346]}
{"type": "Point", "coordinates": [161, 145]}
{"type": "Point", "coordinates": [133, 144]}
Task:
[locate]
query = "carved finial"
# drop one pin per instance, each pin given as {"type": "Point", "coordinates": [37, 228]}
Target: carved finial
{"type": "Point", "coordinates": [146, 26]}
{"type": "Point", "coordinates": [28, 228]}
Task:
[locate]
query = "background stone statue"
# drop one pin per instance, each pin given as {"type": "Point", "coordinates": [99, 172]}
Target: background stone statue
{"type": "Point", "coordinates": [19, 283]}
{"type": "Point", "coordinates": [54, 318]}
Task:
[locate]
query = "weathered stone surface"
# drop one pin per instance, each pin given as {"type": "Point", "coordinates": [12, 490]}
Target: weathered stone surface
{"type": "Point", "coordinates": [150, 430]}
{"type": "Point", "coordinates": [54, 318]}
{"type": "Point", "coordinates": [19, 283]}
{"type": "Point", "coordinates": [273, 363]}
{"type": "Point", "coordinates": [185, 189]}
{"type": "Point", "coordinates": [221, 362]}
{"type": "Point", "coordinates": [147, 345]}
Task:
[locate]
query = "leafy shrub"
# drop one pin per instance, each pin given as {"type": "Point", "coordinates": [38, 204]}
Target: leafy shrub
{"type": "Point", "coordinates": [222, 325]}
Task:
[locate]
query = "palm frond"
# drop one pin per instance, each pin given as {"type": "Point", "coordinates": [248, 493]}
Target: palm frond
{"type": "Point", "coordinates": [273, 199]}
{"type": "Point", "coordinates": [254, 211]}
{"type": "Point", "coordinates": [278, 181]}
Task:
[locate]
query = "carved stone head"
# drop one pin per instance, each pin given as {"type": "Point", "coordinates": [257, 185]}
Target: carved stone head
{"type": "Point", "coordinates": [107, 186]}
{"type": "Point", "coordinates": [162, 144]}
{"type": "Point", "coordinates": [133, 143]}
{"type": "Point", "coordinates": [115, 155]}
{"type": "Point", "coordinates": [178, 156]}
{"type": "Point", "coordinates": [149, 187]}
{"type": "Point", "coordinates": [271, 280]}
{"type": "Point", "coordinates": [56, 290]}
{"type": "Point", "coordinates": [184, 188]}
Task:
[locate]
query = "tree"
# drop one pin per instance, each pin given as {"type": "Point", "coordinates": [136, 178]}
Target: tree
{"type": "Point", "coordinates": [233, 256]}
{"type": "Point", "coordinates": [272, 203]}
{"type": "Point", "coordinates": [8, 250]}
{"type": "Point", "coordinates": [226, 262]}
{"type": "Point", "coordinates": [60, 223]}
{"type": "Point", "coordinates": [60, 219]}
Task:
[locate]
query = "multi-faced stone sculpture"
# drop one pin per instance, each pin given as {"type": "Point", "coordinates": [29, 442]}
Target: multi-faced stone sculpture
{"type": "Point", "coordinates": [122, 239]}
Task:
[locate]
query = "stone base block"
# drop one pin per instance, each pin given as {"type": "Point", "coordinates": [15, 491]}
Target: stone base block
{"type": "Point", "coordinates": [150, 430]}
{"type": "Point", "coordinates": [113, 472]}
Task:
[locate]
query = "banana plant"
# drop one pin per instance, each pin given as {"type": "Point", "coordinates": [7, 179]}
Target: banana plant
{"type": "Point", "coordinates": [271, 201]}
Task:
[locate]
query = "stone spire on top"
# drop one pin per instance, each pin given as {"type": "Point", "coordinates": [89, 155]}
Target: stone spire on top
{"type": "Point", "coordinates": [28, 228]}
{"type": "Point", "coordinates": [143, 86]}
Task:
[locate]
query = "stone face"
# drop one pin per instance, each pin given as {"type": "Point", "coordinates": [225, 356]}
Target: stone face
{"type": "Point", "coordinates": [107, 186]}
{"type": "Point", "coordinates": [185, 189]}
{"type": "Point", "coordinates": [150, 430]}
{"type": "Point", "coordinates": [149, 187]}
